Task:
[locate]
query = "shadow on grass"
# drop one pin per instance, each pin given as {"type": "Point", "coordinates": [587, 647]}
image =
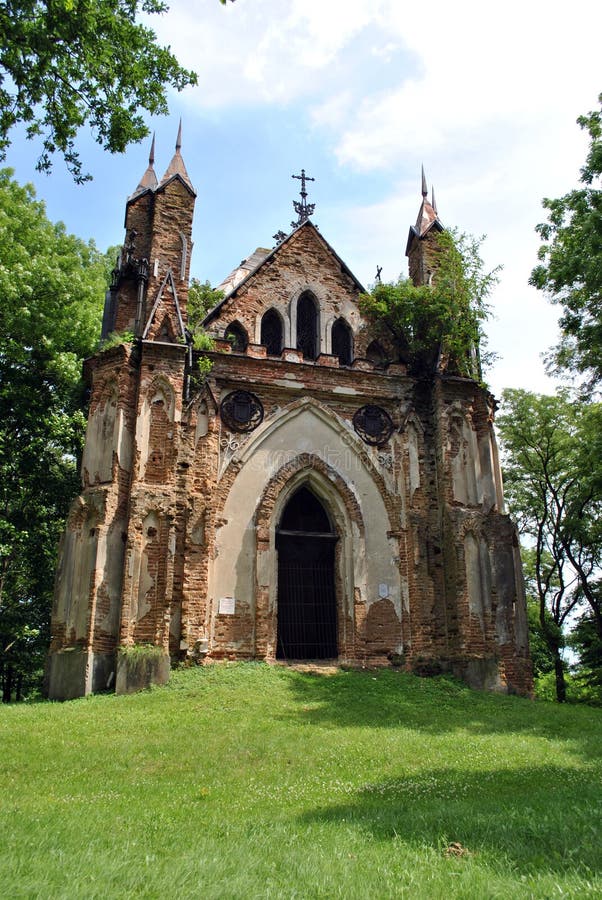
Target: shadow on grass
{"type": "Point", "coordinates": [389, 698]}
{"type": "Point", "coordinates": [539, 820]}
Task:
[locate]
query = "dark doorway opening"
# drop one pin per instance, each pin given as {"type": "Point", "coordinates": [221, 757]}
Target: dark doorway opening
{"type": "Point", "coordinates": [307, 609]}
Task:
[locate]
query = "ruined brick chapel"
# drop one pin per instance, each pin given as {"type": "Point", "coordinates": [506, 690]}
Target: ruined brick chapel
{"type": "Point", "coordinates": [307, 499]}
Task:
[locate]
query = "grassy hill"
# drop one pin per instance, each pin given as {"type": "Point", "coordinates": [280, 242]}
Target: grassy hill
{"type": "Point", "coordinates": [244, 781]}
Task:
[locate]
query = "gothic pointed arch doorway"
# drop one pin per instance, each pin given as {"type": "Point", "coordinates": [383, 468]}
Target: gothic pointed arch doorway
{"type": "Point", "coordinates": [307, 607]}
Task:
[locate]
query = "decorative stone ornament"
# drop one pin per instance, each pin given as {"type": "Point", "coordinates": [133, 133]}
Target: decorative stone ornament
{"type": "Point", "coordinates": [241, 411]}
{"type": "Point", "coordinates": [373, 425]}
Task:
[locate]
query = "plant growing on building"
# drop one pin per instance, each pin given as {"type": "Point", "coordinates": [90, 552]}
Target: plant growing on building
{"type": "Point", "coordinates": [201, 300]}
{"type": "Point", "coordinates": [115, 338]}
{"type": "Point", "coordinates": [438, 325]}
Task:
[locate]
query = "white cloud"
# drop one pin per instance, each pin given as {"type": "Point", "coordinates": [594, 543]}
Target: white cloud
{"type": "Point", "coordinates": [486, 96]}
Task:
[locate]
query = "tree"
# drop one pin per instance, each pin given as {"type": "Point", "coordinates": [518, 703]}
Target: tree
{"type": "Point", "coordinates": [65, 64]}
{"type": "Point", "coordinates": [439, 325]}
{"type": "Point", "coordinates": [51, 294]}
{"type": "Point", "coordinates": [570, 270]}
{"type": "Point", "coordinates": [553, 476]}
{"type": "Point", "coordinates": [201, 300]}
{"type": "Point", "coordinates": [585, 639]}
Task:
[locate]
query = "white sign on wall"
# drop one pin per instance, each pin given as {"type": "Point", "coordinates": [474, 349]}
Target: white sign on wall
{"type": "Point", "coordinates": [383, 591]}
{"type": "Point", "coordinates": [227, 606]}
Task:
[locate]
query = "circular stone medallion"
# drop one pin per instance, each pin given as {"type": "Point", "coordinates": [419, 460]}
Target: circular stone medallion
{"type": "Point", "coordinates": [241, 411]}
{"type": "Point", "coordinates": [373, 424]}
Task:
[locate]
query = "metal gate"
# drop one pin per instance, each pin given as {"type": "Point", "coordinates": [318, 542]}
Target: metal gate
{"type": "Point", "coordinates": [307, 610]}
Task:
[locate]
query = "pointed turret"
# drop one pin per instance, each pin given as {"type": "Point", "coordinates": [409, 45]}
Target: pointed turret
{"type": "Point", "coordinates": [421, 246]}
{"type": "Point", "coordinates": [149, 179]}
{"type": "Point", "coordinates": [176, 166]}
{"type": "Point", "coordinates": [158, 244]}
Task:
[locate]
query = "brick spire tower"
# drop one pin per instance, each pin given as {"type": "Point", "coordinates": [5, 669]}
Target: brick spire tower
{"type": "Point", "coordinates": [421, 248]}
{"type": "Point", "coordinates": [155, 259]}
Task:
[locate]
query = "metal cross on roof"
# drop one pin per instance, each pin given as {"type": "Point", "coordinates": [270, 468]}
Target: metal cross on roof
{"type": "Point", "coordinates": [303, 209]}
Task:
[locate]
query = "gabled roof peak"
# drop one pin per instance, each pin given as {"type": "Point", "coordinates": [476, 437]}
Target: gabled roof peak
{"type": "Point", "coordinates": [149, 179]}
{"type": "Point", "coordinates": [428, 217]}
{"type": "Point", "coordinates": [176, 166]}
{"type": "Point", "coordinates": [255, 262]}
{"type": "Point", "coordinates": [427, 214]}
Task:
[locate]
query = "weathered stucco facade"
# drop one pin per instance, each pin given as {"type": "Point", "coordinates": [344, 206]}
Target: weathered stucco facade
{"type": "Point", "coordinates": [204, 501]}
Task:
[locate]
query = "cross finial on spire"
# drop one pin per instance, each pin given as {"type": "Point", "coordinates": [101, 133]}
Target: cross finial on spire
{"type": "Point", "coordinates": [424, 187]}
{"type": "Point", "coordinates": [303, 209]}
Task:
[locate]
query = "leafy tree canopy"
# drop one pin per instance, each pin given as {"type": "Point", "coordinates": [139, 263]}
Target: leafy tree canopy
{"type": "Point", "coordinates": [439, 325]}
{"type": "Point", "coordinates": [69, 63]}
{"type": "Point", "coordinates": [553, 478]}
{"type": "Point", "coordinates": [201, 300]}
{"type": "Point", "coordinates": [51, 291]}
{"type": "Point", "coordinates": [570, 270]}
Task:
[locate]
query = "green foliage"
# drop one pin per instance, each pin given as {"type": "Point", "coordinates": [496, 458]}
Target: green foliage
{"type": "Point", "coordinates": [553, 478]}
{"type": "Point", "coordinates": [441, 324]}
{"type": "Point", "coordinates": [570, 271]}
{"type": "Point", "coordinates": [586, 640]}
{"type": "Point", "coordinates": [256, 781]}
{"type": "Point", "coordinates": [541, 655]}
{"type": "Point", "coordinates": [141, 651]}
{"type": "Point", "coordinates": [52, 286]}
{"type": "Point", "coordinates": [66, 64]}
{"type": "Point", "coordinates": [202, 298]}
{"type": "Point", "coordinates": [115, 338]}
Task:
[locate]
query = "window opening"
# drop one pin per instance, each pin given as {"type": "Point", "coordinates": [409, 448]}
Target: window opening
{"type": "Point", "coordinates": [376, 355]}
{"type": "Point", "coordinates": [307, 325]}
{"type": "Point", "coordinates": [271, 333]}
{"type": "Point", "coordinates": [237, 336]}
{"type": "Point", "coordinates": [342, 342]}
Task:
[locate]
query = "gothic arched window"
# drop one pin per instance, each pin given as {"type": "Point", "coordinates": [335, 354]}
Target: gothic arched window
{"type": "Point", "coordinates": [237, 336]}
{"type": "Point", "coordinates": [376, 355]}
{"type": "Point", "coordinates": [307, 325]}
{"type": "Point", "coordinates": [342, 342]}
{"type": "Point", "coordinates": [271, 332]}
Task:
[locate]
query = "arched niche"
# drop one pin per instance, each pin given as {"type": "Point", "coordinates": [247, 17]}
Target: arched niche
{"type": "Point", "coordinates": [463, 459]}
{"type": "Point", "coordinates": [342, 342]}
{"type": "Point", "coordinates": [272, 332]}
{"type": "Point", "coordinates": [77, 564]}
{"type": "Point", "coordinates": [376, 355]}
{"type": "Point", "coordinates": [478, 578]}
{"type": "Point", "coordinates": [151, 575]}
{"type": "Point", "coordinates": [184, 256]}
{"type": "Point", "coordinates": [308, 325]}
{"type": "Point", "coordinates": [156, 432]}
{"type": "Point", "coordinates": [101, 438]}
{"type": "Point", "coordinates": [238, 337]}
{"type": "Point", "coordinates": [202, 421]}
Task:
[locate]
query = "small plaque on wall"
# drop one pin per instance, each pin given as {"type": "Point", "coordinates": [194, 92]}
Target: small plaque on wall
{"type": "Point", "coordinates": [227, 606]}
{"type": "Point", "coordinates": [383, 591]}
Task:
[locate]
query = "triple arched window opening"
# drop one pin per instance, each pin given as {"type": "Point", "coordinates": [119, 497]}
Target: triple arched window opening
{"type": "Point", "coordinates": [307, 336]}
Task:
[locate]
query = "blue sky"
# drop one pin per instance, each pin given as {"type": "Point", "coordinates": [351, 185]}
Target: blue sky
{"type": "Point", "coordinates": [361, 93]}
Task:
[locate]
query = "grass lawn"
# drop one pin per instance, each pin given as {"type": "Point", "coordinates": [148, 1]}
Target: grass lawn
{"type": "Point", "coordinates": [245, 780]}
